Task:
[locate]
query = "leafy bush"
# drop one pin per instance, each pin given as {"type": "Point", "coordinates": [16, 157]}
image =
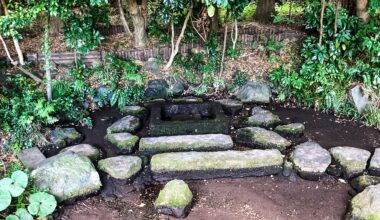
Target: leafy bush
{"type": "Point", "coordinates": [40, 204]}
{"type": "Point", "coordinates": [239, 78]}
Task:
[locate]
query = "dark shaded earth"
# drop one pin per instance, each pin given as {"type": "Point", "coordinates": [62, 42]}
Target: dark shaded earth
{"type": "Point", "coordinates": [247, 198]}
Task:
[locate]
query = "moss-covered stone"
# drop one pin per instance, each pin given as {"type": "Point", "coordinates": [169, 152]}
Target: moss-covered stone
{"type": "Point", "coordinates": [199, 165]}
{"type": "Point", "coordinates": [124, 142]}
{"type": "Point", "coordinates": [254, 92]}
{"type": "Point", "coordinates": [207, 142]}
{"type": "Point", "coordinates": [188, 99]}
{"type": "Point", "coordinates": [85, 150]}
{"type": "Point", "coordinates": [126, 124]}
{"type": "Point", "coordinates": [374, 166]}
{"type": "Point", "coordinates": [174, 199]}
{"type": "Point", "coordinates": [262, 118]}
{"type": "Point", "coordinates": [137, 111]}
{"type": "Point", "coordinates": [121, 167]}
{"type": "Point", "coordinates": [365, 205]}
{"type": "Point", "coordinates": [352, 160]}
{"type": "Point", "coordinates": [261, 138]}
{"type": "Point", "coordinates": [231, 106]}
{"type": "Point", "coordinates": [66, 176]}
{"type": "Point", "coordinates": [62, 137]}
{"type": "Point", "coordinates": [361, 182]}
{"type": "Point", "coordinates": [291, 130]}
{"type": "Point", "coordinates": [310, 160]}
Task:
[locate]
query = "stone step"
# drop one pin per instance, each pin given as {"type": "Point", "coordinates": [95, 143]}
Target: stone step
{"type": "Point", "coordinates": [207, 142]}
{"type": "Point", "coordinates": [208, 165]}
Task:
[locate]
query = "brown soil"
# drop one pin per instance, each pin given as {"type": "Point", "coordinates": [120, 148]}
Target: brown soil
{"type": "Point", "coordinates": [245, 198]}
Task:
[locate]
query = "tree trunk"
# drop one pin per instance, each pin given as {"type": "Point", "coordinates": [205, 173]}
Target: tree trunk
{"type": "Point", "coordinates": [350, 6]}
{"type": "Point", "coordinates": [15, 41]}
{"type": "Point", "coordinates": [141, 38]}
{"type": "Point", "coordinates": [47, 57]}
{"type": "Point", "coordinates": [175, 47]}
{"type": "Point", "coordinates": [337, 8]}
{"type": "Point", "coordinates": [215, 21]}
{"type": "Point", "coordinates": [323, 6]}
{"type": "Point", "coordinates": [224, 50]}
{"type": "Point", "coordinates": [55, 26]}
{"type": "Point", "coordinates": [362, 10]}
{"type": "Point", "coordinates": [123, 19]}
{"type": "Point", "coordinates": [234, 33]}
{"type": "Point", "coordinates": [265, 10]}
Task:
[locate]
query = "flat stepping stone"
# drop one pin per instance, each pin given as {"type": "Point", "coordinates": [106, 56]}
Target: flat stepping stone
{"type": "Point", "coordinates": [374, 165]}
{"type": "Point", "coordinates": [352, 160]}
{"type": "Point", "coordinates": [62, 137]}
{"type": "Point", "coordinates": [85, 150]}
{"type": "Point", "coordinates": [121, 167]}
{"type": "Point", "coordinates": [231, 106]}
{"type": "Point", "coordinates": [290, 130]}
{"type": "Point", "coordinates": [126, 124]}
{"type": "Point", "coordinates": [136, 110]}
{"type": "Point", "coordinates": [67, 176]}
{"type": "Point", "coordinates": [188, 99]}
{"type": "Point", "coordinates": [310, 160]}
{"type": "Point", "coordinates": [174, 199]}
{"type": "Point", "coordinates": [256, 137]}
{"type": "Point", "coordinates": [262, 118]}
{"type": "Point", "coordinates": [365, 205]}
{"type": "Point", "coordinates": [31, 157]}
{"type": "Point", "coordinates": [124, 142]}
{"type": "Point", "coordinates": [361, 182]}
{"type": "Point", "coordinates": [208, 165]}
{"type": "Point", "coordinates": [207, 142]}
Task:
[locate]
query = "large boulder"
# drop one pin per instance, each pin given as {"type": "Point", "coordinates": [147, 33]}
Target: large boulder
{"type": "Point", "coordinates": [124, 143]}
{"type": "Point", "coordinates": [365, 205]}
{"type": "Point", "coordinates": [254, 92]}
{"type": "Point", "coordinates": [291, 130]}
{"type": "Point", "coordinates": [121, 167]}
{"type": "Point", "coordinates": [174, 199]}
{"type": "Point", "coordinates": [261, 138]}
{"type": "Point", "coordinates": [67, 176]}
{"type": "Point", "coordinates": [357, 97]}
{"type": "Point", "coordinates": [62, 137]}
{"type": "Point", "coordinates": [352, 160]}
{"type": "Point", "coordinates": [263, 118]}
{"type": "Point", "coordinates": [374, 165]}
{"type": "Point", "coordinates": [126, 124]}
{"type": "Point", "coordinates": [310, 160]}
{"type": "Point", "coordinates": [156, 89]}
{"type": "Point", "coordinates": [85, 150]}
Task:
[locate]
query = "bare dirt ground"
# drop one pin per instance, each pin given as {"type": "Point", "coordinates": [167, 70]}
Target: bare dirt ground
{"type": "Point", "coordinates": [228, 199]}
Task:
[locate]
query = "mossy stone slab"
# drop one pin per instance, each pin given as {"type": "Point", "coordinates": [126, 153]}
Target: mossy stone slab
{"type": "Point", "coordinates": [135, 110]}
{"type": "Point", "coordinates": [121, 167]}
{"type": "Point", "coordinates": [124, 142]}
{"type": "Point", "coordinates": [231, 106]}
{"type": "Point", "coordinates": [262, 118]}
{"type": "Point", "coordinates": [174, 199]}
{"type": "Point", "coordinates": [126, 124]}
{"type": "Point", "coordinates": [352, 160]}
{"type": "Point", "coordinates": [67, 176]}
{"type": "Point", "coordinates": [290, 130]}
{"type": "Point", "coordinates": [207, 142]}
{"type": "Point", "coordinates": [310, 160]}
{"type": "Point", "coordinates": [206, 165]}
{"type": "Point", "coordinates": [256, 137]}
{"type": "Point", "coordinates": [365, 205]}
{"type": "Point", "coordinates": [62, 137]}
{"type": "Point", "coordinates": [85, 150]}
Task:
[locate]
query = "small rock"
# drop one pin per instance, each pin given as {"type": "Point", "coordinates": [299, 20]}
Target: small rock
{"type": "Point", "coordinates": [231, 106]}
{"type": "Point", "coordinates": [261, 138]}
{"type": "Point", "coordinates": [352, 160]}
{"type": "Point", "coordinates": [126, 124]}
{"type": "Point", "coordinates": [310, 160]}
{"type": "Point", "coordinates": [357, 97]}
{"type": "Point", "coordinates": [334, 170]}
{"type": "Point", "coordinates": [254, 92]}
{"type": "Point", "coordinates": [263, 118]}
{"type": "Point", "coordinates": [121, 167]}
{"type": "Point", "coordinates": [136, 111]}
{"type": "Point", "coordinates": [365, 205]}
{"type": "Point", "coordinates": [291, 130]}
{"type": "Point", "coordinates": [124, 142]}
{"type": "Point", "coordinates": [156, 89]}
{"type": "Point", "coordinates": [85, 150]}
{"type": "Point", "coordinates": [174, 199]}
{"type": "Point", "coordinates": [62, 137]}
{"type": "Point", "coordinates": [374, 165]}
{"type": "Point", "coordinates": [361, 182]}
{"type": "Point", "coordinates": [67, 176]}
{"type": "Point", "coordinates": [31, 157]}
{"type": "Point", "coordinates": [288, 168]}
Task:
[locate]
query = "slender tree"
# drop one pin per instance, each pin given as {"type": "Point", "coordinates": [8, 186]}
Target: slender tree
{"type": "Point", "coordinates": [139, 26]}
{"type": "Point", "coordinates": [265, 10]}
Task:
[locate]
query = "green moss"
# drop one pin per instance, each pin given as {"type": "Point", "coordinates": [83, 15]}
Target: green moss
{"type": "Point", "coordinates": [296, 128]}
{"type": "Point", "coordinates": [175, 194]}
{"type": "Point", "coordinates": [126, 143]}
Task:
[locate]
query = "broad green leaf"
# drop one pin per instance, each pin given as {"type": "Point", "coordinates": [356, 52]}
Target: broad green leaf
{"type": "Point", "coordinates": [16, 184]}
{"type": "Point", "coordinates": [42, 204]}
{"type": "Point", "coordinates": [23, 214]}
{"type": "Point", "coordinates": [211, 11]}
{"type": "Point", "coordinates": [12, 217]}
{"type": "Point", "coordinates": [5, 199]}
